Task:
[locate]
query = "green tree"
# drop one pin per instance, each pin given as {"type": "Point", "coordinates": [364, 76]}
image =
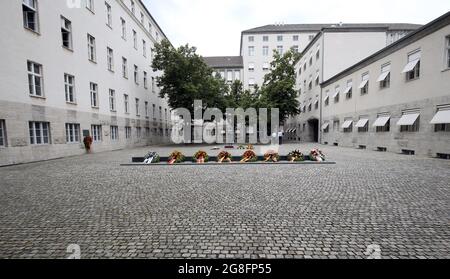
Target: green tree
{"type": "Point", "coordinates": [186, 77]}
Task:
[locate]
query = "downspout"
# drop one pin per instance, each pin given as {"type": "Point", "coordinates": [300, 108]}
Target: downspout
{"type": "Point", "coordinates": [321, 89]}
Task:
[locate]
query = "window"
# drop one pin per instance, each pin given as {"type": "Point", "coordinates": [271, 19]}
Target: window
{"type": "Point", "coordinates": [251, 51]}
{"type": "Point", "coordinates": [383, 124]}
{"type": "Point", "coordinates": [112, 100]}
{"type": "Point", "coordinates": [251, 39]}
{"type": "Point", "coordinates": [66, 33]}
{"type": "Point", "coordinates": [327, 98]}
{"type": "Point", "coordinates": [30, 15]}
{"type": "Point", "coordinates": [364, 86]}
{"type": "Point", "coordinates": [337, 93]}
{"type": "Point", "coordinates": [266, 66]}
{"type": "Point", "coordinates": [138, 132]}
{"type": "Point", "coordinates": [326, 127]}
{"type": "Point", "coordinates": [412, 69]}
{"type": "Point", "coordinates": [295, 48]}
{"type": "Point", "coordinates": [317, 81]}
{"type": "Point", "coordinates": [146, 109]}
{"type": "Point", "coordinates": [126, 102]}
{"type": "Point", "coordinates": [442, 119]}
{"type": "Point", "coordinates": [311, 37]}
{"type": "Point", "coordinates": [385, 77]}
{"type": "Point", "coordinates": [124, 67]}
{"type": "Point", "coordinates": [230, 75]}
{"type": "Point", "coordinates": [336, 125]}
{"type": "Point", "coordinates": [251, 82]}
{"type": "Point", "coordinates": [39, 133]}
{"type": "Point", "coordinates": [110, 59]}
{"type": "Point", "coordinates": [133, 7]}
{"type": "Point", "coordinates": [150, 27]}
{"type": "Point", "coordinates": [265, 51]}
{"type": "Point", "coordinates": [349, 90]}
{"type": "Point", "coordinates": [160, 113]}
{"type": "Point", "coordinates": [2, 133]}
{"type": "Point", "coordinates": [144, 48]}
{"type": "Point", "coordinates": [310, 85]}
{"type": "Point", "coordinates": [91, 48]}
{"type": "Point", "coordinates": [157, 36]}
{"type": "Point", "coordinates": [35, 79]}
{"type": "Point", "coordinates": [165, 115]}
{"type": "Point", "coordinates": [295, 38]}
{"type": "Point", "coordinates": [154, 111]}
{"type": "Point", "coordinates": [142, 19]}
{"type": "Point", "coordinates": [124, 28]}
{"type": "Point", "coordinates": [316, 105]}
{"type": "Point", "coordinates": [114, 133]}
{"type": "Point", "coordinates": [137, 107]}
{"type": "Point", "coordinates": [363, 124]}
{"type": "Point", "coordinates": [279, 38]}
{"type": "Point", "coordinates": [409, 122]}
{"type": "Point", "coordinates": [69, 88]}
{"type": "Point", "coordinates": [72, 133]}
{"type": "Point", "coordinates": [280, 50]}
{"type": "Point", "coordinates": [90, 5]}
{"type": "Point", "coordinates": [348, 125]}
{"type": "Point", "coordinates": [94, 95]}
{"type": "Point", "coordinates": [108, 15]}
{"type": "Point", "coordinates": [310, 61]}
{"type": "Point", "coordinates": [128, 132]}
{"type": "Point", "coordinates": [265, 38]}
{"type": "Point", "coordinates": [251, 67]}
{"type": "Point", "coordinates": [135, 44]}
{"type": "Point", "coordinates": [310, 107]}
{"type": "Point", "coordinates": [447, 51]}
{"type": "Point", "coordinates": [136, 74]}
{"type": "Point", "coordinates": [145, 80]}
{"type": "Point", "coordinates": [153, 85]}
{"type": "Point", "coordinates": [96, 132]}
{"type": "Point", "coordinates": [318, 54]}
{"type": "Point", "coordinates": [304, 67]}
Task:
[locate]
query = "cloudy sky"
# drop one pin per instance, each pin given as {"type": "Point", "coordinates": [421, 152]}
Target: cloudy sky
{"type": "Point", "coordinates": [214, 26]}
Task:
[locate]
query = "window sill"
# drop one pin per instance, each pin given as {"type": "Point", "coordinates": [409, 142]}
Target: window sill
{"type": "Point", "coordinates": [111, 71]}
{"type": "Point", "coordinates": [32, 31]}
{"type": "Point", "coordinates": [411, 80]}
{"type": "Point", "coordinates": [38, 97]}
{"type": "Point", "coordinates": [93, 61]}
{"type": "Point", "coordinates": [445, 70]}
{"type": "Point", "coordinates": [71, 103]}
{"type": "Point", "coordinates": [109, 26]}
{"type": "Point", "coordinates": [90, 10]}
{"type": "Point", "coordinates": [67, 48]}
{"type": "Point", "coordinates": [96, 108]}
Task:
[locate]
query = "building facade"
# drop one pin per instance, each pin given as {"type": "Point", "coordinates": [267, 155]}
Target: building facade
{"type": "Point", "coordinates": [77, 68]}
{"type": "Point", "coordinates": [230, 68]}
{"type": "Point", "coordinates": [396, 100]}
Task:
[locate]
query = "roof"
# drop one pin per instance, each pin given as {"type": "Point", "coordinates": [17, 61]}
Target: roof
{"type": "Point", "coordinates": [279, 28]}
{"type": "Point", "coordinates": [412, 37]}
{"type": "Point", "coordinates": [224, 61]}
{"type": "Point", "coordinates": [148, 12]}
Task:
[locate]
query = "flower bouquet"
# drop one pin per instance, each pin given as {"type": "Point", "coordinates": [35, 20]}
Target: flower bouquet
{"type": "Point", "coordinates": [271, 156]}
{"type": "Point", "coordinates": [200, 157]}
{"type": "Point", "coordinates": [152, 158]}
{"type": "Point", "coordinates": [249, 156]}
{"type": "Point", "coordinates": [295, 156]}
{"type": "Point", "coordinates": [224, 157]}
{"type": "Point", "coordinates": [317, 155]}
{"type": "Point", "coordinates": [176, 157]}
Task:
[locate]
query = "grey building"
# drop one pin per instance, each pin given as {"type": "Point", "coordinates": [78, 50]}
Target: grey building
{"type": "Point", "coordinates": [229, 67]}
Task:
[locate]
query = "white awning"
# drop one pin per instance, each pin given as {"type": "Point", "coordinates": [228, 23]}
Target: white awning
{"type": "Point", "coordinates": [383, 76]}
{"type": "Point", "coordinates": [326, 98]}
{"type": "Point", "coordinates": [336, 93]}
{"type": "Point", "coordinates": [348, 89]}
{"type": "Point", "coordinates": [362, 123]}
{"type": "Point", "coordinates": [325, 126]}
{"type": "Point", "coordinates": [442, 117]}
{"type": "Point", "coordinates": [347, 124]}
{"type": "Point", "coordinates": [363, 83]}
{"type": "Point", "coordinates": [408, 119]}
{"type": "Point", "coordinates": [294, 131]}
{"type": "Point", "coordinates": [316, 102]}
{"type": "Point", "coordinates": [381, 121]}
{"type": "Point", "coordinates": [410, 66]}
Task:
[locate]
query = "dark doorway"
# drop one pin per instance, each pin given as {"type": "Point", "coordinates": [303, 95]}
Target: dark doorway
{"type": "Point", "coordinates": [314, 129]}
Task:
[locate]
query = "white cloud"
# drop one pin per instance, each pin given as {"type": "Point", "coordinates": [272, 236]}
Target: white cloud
{"type": "Point", "coordinates": [214, 26]}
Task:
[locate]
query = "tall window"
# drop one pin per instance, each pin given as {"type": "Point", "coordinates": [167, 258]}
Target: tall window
{"type": "Point", "coordinates": [96, 132]}
{"type": "Point", "coordinates": [108, 15]}
{"type": "Point", "coordinates": [146, 109]}
{"type": "Point", "coordinates": [145, 80]}
{"type": "Point", "coordinates": [72, 133]}
{"type": "Point", "coordinates": [124, 28]}
{"type": "Point", "coordinates": [251, 67]}
{"type": "Point", "coordinates": [133, 7]}
{"type": "Point", "coordinates": [412, 69]}
{"type": "Point", "coordinates": [91, 48]}
{"type": "Point", "coordinates": [279, 38]}
{"type": "Point", "coordinates": [165, 115]}
{"type": "Point", "coordinates": [112, 100]}
{"type": "Point", "coordinates": [295, 38]}
{"type": "Point", "coordinates": [447, 52]}
{"type": "Point", "coordinates": [385, 77]}
{"type": "Point", "coordinates": [349, 89]}
{"type": "Point", "coordinates": [364, 86]}
{"type": "Point", "coordinates": [160, 113]}
{"type": "Point", "coordinates": [2, 133]}
{"type": "Point", "coordinates": [126, 102]}
{"type": "Point", "coordinates": [251, 51]}
{"type": "Point", "coordinates": [136, 74]}
{"type": "Point", "coordinates": [69, 87]}
{"type": "Point", "coordinates": [265, 38]}
{"type": "Point", "coordinates": [124, 67]}
{"type": "Point", "coordinates": [66, 33]}
{"type": "Point", "coordinates": [35, 79]}
{"type": "Point", "coordinates": [39, 133]}
{"type": "Point", "coordinates": [137, 107]}
{"type": "Point", "coordinates": [138, 132]}
{"type": "Point", "coordinates": [128, 132]}
{"type": "Point", "coordinates": [295, 48]}
{"type": "Point", "coordinates": [144, 48]}
{"type": "Point", "coordinates": [94, 94]}
{"type": "Point", "coordinates": [153, 84]}
{"type": "Point", "coordinates": [251, 38]}
{"type": "Point", "coordinates": [142, 18]}
{"type": "Point", "coordinates": [110, 59]}
{"type": "Point", "coordinates": [154, 111]}
{"type": "Point", "coordinates": [280, 50]}
{"type": "Point", "coordinates": [135, 39]}
{"type": "Point", "coordinates": [265, 51]}
{"type": "Point", "coordinates": [114, 133]}
{"type": "Point", "coordinates": [30, 15]}
{"type": "Point", "coordinates": [90, 5]}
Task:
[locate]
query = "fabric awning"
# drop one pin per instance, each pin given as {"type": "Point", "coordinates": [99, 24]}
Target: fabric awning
{"type": "Point", "coordinates": [347, 124]}
{"type": "Point", "coordinates": [383, 76]}
{"type": "Point", "coordinates": [348, 89]}
{"type": "Point", "coordinates": [381, 121]}
{"type": "Point", "coordinates": [316, 102]}
{"type": "Point", "coordinates": [294, 130]}
{"type": "Point", "coordinates": [442, 117]}
{"type": "Point", "coordinates": [325, 126]}
{"type": "Point", "coordinates": [363, 83]}
{"type": "Point", "coordinates": [326, 98]}
{"type": "Point", "coordinates": [410, 66]}
{"type": "Point", "coordinates": [408, 119]}
{"type": "Point", "coordinates": [362, 123]}
{"type": "Point", "coordinates": [336, 93]}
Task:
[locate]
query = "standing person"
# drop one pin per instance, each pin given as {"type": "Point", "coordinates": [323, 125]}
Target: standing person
{"type": "Point", "coordinates": [280, 137]}
{"type": "Point", "coordinates": [88, 143]}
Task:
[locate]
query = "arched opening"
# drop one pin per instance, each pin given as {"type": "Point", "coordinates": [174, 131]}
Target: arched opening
{"type": "Point", "coordinates": [313, 125]}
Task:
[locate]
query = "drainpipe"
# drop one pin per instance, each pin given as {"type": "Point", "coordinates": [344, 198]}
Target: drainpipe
{"type": "Point", "coordinates": [321, 89]}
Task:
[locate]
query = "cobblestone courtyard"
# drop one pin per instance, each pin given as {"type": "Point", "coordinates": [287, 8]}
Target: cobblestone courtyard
{"type": "Point", "coordinates": [398, 202]}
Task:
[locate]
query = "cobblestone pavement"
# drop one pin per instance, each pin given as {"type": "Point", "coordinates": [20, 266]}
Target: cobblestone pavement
{"type": "Point", "coordinates": [398, 202]}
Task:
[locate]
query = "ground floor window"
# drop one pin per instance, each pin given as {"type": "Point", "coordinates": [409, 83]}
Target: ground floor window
{"type": "Point", "coordinates": [127, 132]}
{"type": "Point", "coordinates": [385, 128]}
{"type": "Point", "coordinates": [39, 133]}
{"type": "Point", "coordinates": [114, 132]}
{"type": "Point", "coordinates": [72, 133]}
{"type": "Point", "coordinates": [96, 132]}
{"type": "Point", "coordinates": [410, 128]}
{"type": "Point", "coordinates": [2, 133]}
{"type": "Point", "coordinates": [138, 132]}
{"type": "Point", "coordinates": [442, 128]}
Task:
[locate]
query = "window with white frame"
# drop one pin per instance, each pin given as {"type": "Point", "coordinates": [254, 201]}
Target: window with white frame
{"type": "Point", "coordinates": [251, 39]}
{"type": "Point", "coordinates": [265, 51]}
{"type": "Point", "coordinates": [133, 6]}
{"type": "Point", "coordinates": [137, 107]}
{"type": "Point", "coordinates": [124, 28]}
{"type": "Point", "coordinates": [295, 38]}
{"type": "Point", "coordinates": [126, 102]}
{"type": "Point", "coordinates": [66, 32]}
{"type": "Point", "coordinates": [348, 125]}
{"type": "Point", "coordinates": [114, 133]}
{"type": "Point", "coordinates": [135, 44]}
{"type": "Point", "coordinates": [385, 77]}
{"type": "Point", "coordinates": [230, 75]}
{"type": "Point", "coordinates": [128, 132]}
{"type": "Point", "coordinates": [280, 50]}
{"type": "Point", "coordinates": [337, 93]}
{"type": "Point", "coordinates": [94, 95]}
{"type": "Point", "coordinates": [410, 121]}
{"type": "Point", "coordinates": [90, 5]}
{"type": "Point", "coordinates": [110, 59]}
{"type": "Point", "coordinates": [72, 133]}
{"type": "Point", "coordinates": [108, 14]}
{"type": "Point", "coordinates": [363, 124]}
{"type": "Point", "coordinates": [295, 48]}
{"type": "Point", "coordinates": [136, 74]}
{"type": "Point", "coordinates": [144, 48]}
{"type": "Point", "coordinates": [35, 79]}
{"type": "Point", "coordinates": [364, 86]}
{"type": "Point", "coordinates": [265, 38]}
{"type": "Point", "coordinates": [96, 132]}
{"type": "Point", "coordinates": [145, 80]}
{"type": "Point", "coordinates": [412, 69]}
{"type": "Point", "coordinates": [251, 67]}
{"type": "Point", "coordinates": [447, 51]}
{"type": "Point", "coordinates": [146, 109]}
{"type": "Point", "coordinates": [349, 89]}
{"type": "Point", "coordinates": [251, 82]}
{"type": "Point", "coordinates": [251, 51]}
{"type": "Point", "coordinates": [266, 66]}
{"type": "Point", "coordinates": [69, 88]}
{"type": "Point", "coordinates": [2, 133]}
{"type": "Point", "coordinates": [30, 15]}
{"type": "Point", "coordinates": [39, 133]}
{"type": "Point", "coordinates": [142, 19]}
{"type": "Point", "coordinates": [441, 120]}
{"type": "Point", "coordinates": [280, 38]}
{"type": "Point", "coordinates": [91, 48]}
{"type": "Point", "coordinates": [124, 67]}
{"type": "Point", "coordinates": [112, 100]}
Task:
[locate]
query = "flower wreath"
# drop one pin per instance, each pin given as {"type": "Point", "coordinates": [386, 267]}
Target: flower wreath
{"type": "Point", "coordinates": [200, 157]}
{"type": "Point", "coordinates": [249, 156]}
{"type": "Point", "coordinates": [295, 156]}
{"type": "Point", "coordinates": [317, 155]}
{"type": "Point", "coordinates": [176, 157]}
{"type": "Point", "coordinates": [271, 156]}
{"type": "Point", "coordinates": [224, 156]}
